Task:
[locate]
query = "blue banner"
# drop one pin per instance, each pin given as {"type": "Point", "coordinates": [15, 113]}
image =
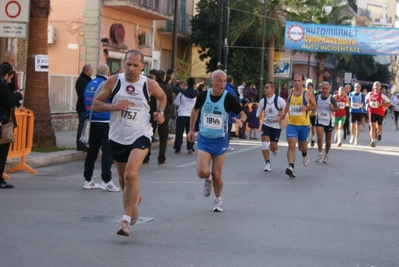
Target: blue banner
{"type": "Point", "coordinates": [341, 39]}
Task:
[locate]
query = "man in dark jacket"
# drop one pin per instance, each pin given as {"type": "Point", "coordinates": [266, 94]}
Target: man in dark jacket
{"type": "Point", "coordinates": [81, 83]}
{"type": "Point", "coordinates": [163, 129]}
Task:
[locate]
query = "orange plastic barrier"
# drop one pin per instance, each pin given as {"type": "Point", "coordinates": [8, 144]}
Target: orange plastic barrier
{"type": "Point", "coordinates": [23, 136]}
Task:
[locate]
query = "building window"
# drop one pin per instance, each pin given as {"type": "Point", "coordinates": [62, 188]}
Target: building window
{"type": "Point", "coordinates": [114, 65]}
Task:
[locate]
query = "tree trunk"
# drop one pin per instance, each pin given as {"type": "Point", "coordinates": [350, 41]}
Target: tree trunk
{"type": "Point", "coordinates": [36, 95]}
{"type": "Point", "coordinates": [320, 57]}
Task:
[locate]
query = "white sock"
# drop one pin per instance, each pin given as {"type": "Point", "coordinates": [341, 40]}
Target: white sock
{"type": "Point", "coordinates": [339, 135]}
{"type": "Point", "coordinates": [219, 199]}
{"type": "Point", "coordinates": [126, 218]}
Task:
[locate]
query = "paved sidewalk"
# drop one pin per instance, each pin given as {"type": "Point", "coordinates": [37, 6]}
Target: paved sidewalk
{"type": "Point", "coordinates": [64, 139]}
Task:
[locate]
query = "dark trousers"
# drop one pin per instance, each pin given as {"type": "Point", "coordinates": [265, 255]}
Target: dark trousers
{"type": "Point", "coordinates": [3, 158]}
{"type": "Point", "coordinates": [82, 118]}
{"type": "Point", "coordinates": [241, 131]}
{"type": "Point", "coordinates": [182, 123]}
{"type": "Point", "coordinates": [346, 124]}
{"type": "Point", "coordinates": [163, 132]}
{"type": "Point", "coordinates": [98, 139]}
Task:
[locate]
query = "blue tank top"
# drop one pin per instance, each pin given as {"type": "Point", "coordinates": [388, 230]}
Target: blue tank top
{"type": "Point", "coordinates": [214, 118]}
{"type": "Point", "coordinates": [356, 102]}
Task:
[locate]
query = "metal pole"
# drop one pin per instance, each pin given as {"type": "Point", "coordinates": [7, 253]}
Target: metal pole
{"type": "Point", "coordinates": [307, 76]}
{"type": "Point", "coordinates": [174, 34]}
{"type": "Point", "coordinates": [220, 35]}
{"type": "Point", "coordinates": [226, 49]}
{"type": "Point", "coordinates": [262, 58]}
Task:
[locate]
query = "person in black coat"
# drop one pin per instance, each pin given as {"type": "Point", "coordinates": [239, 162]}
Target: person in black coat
{"type": "Point", "coordinates": [80, 86]}
{"type": "Point", "coordinates": [7, 102]}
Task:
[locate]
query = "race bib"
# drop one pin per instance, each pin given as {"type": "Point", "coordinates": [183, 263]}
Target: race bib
{"type": "Point", "coordinates": [129, 116]}
{"type": "Point", "coordinates": [373, 104]}
{"type": "Point", "coordinates": [269, 120]}
{"type": "Point", "coordinates": [213, 121]}
{"type": "Point", "coordinates": [323, 115]}
{"type": "Point", "coordinates": [355, 105]}
{"type": "Point", "coordinates": [296, 110]}
{"type": "Point", "coordinates": [341, 105]}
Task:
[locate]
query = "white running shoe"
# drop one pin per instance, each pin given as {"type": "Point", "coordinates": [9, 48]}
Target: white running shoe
{"type": "Point", "coordinates": [91, 185]}
{"type": "Point", "coordinates": [109, 187]}
{"type": "Point", "coordinates": [306, 161]}
{"type": "Point", "coordinates": [290, 172]}
{"type": "Point", "coordinates": [326, 159]}
{"type": "Point", "coordinates": [355, 143]}
{"type": "Point", "coordinates": [319, 158]}
{"type": "Point", "coordinates": [230, 148]}
{"type": "Point", "coordinates": [217, 206]}
{"type": "Point", "coordinates": [275, 153]}
{"type": "Point", "coordinates": [208, 186]}
{"type": "Point", "coordinates": [351, 140]}
{"type": "Point", "coordinates": [268, 167]}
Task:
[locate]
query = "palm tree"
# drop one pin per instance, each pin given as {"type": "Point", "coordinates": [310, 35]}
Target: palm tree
{"type": "Point", "coordinates": [36, 96]}
{"type": "Point", "coordinates": [313, 11]}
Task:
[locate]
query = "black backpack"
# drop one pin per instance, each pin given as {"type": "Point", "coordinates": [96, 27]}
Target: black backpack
{"type": "Point", "coordinates": [275, 102]}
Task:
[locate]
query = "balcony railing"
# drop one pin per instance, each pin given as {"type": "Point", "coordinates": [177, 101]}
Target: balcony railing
{"type": "Point", "coordinates": [164, 8]}
{"type": "Point", "coordinates": [351, 4]}
{"type": "Point", "coordinates": [184, 25]}
{"type": "Point", "coordinates": [364, 13]}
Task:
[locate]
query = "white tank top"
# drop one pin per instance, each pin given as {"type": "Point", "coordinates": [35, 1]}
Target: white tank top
{"type": "Point", "coordinates": [128, 125]}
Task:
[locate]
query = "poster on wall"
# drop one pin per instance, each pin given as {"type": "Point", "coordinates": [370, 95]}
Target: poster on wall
{"type": "Point", "coordinates": [41, 63]}
{"type": "Point", "coordinates": [282, 65]}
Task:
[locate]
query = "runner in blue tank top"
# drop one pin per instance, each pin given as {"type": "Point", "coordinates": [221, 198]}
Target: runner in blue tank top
{"type": "Point", "coordinates": [215, 105]}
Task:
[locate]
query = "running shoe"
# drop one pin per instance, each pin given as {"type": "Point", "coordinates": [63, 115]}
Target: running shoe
{"type": "Point", "coordinates": [339, 144]}
{"type": "Point", "coordinates": [362, 128]}
{"type": "Point", "coordinates": [356, 140]}
{"type": "Point", "coordinates": [290, 172]}
{"type": "Point", "coordinates": [351, 140]}
{"type": "Point", "coordinates": [306, 161]}
{"type": "Point", "coordinates": [91, 185]}
{"type": "Point", "coordinates": [124, 228]}
{"type": "Point", "coordinates": [275, 153]}
{"type": "Point", "coordinates": [268, 167]}
{"type": "Point", "coordinates": [312, 143]}
{"type": "Point", "coordinates": [109, 187]}
{"type": "Point", "coordinates": [230, 148]}
{"type": "Point", "coordinates": [379, 136]}
{"type": "Point", "coordinates": [372, 144]}
{"type": "Point", "coordinates": [135, 215]}
{"type": "Point", "coordinates": [208, 186]}
{"type": "Point", "coordinates": [319, 158]}
{"type": "Point", "coordinates": [326, 159]}
{"type": "Point", "coordinates": [217, 206]}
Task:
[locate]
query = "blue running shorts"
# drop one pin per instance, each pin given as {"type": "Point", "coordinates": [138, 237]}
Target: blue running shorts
{"type": "Point", "coordinates": [298, 132]}
{"type": "Point", "coordinates": [215, 146]}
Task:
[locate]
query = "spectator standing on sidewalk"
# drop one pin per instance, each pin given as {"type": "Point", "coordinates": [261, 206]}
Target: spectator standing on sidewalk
{"type": "Point", "coordinates": [10, 58]}
{"type": "Point", "coordinates": [99, 128]}
{"type": "Point", "coordinates": [8, 100]}
{"type": "Point", "coordinates": [185, 101]}
{"type": "Point", "coordinates": [163, 129]}
{"type": "Point", "coordinates": [130, 129]}
{"type": "Point", "coordinates": [80, 86]}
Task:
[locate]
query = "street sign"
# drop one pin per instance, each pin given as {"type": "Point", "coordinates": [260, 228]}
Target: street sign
{"type": "Point", "coordinates": [14, 10]}
{"type": "Point", "coordinates": [282, 65]}
{"type": "Point", "coordinates": [41, 63]}
{"type": "Point", "coordinates": [11, 29]}
{"type": "Point", "coordinates": [348, 77]}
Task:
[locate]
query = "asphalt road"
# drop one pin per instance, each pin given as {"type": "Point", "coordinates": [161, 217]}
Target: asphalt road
{"type": "Point", "coordinates": [344, 213]}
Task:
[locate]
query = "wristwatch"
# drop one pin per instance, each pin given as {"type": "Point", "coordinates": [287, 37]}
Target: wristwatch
{"type": "Point", "coordinates": [160, 112]}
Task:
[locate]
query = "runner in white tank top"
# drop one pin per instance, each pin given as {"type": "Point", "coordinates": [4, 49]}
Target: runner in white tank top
{"type": "Point", "coordinates": [130, 129]}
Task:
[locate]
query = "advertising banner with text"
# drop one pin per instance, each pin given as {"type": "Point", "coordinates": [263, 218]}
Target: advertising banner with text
{"type": "Point", "coordinates": [341, 39]}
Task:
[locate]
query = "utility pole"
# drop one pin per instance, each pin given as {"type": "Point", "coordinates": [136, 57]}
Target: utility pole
{"type": "Point", "coordinates": [220, 35]}
{"type": "Point", "coordinates": [226, 21]}
{"type": "Point", "coordinates": [262, 57]}
{"type": "Point", "coordinates": [174, 34]}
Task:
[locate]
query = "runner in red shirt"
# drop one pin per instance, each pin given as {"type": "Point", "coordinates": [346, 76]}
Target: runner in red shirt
{"type": "Point", "coordinates": [377, 103]}
{"type": "Point", "coordinates": [340, 115]}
